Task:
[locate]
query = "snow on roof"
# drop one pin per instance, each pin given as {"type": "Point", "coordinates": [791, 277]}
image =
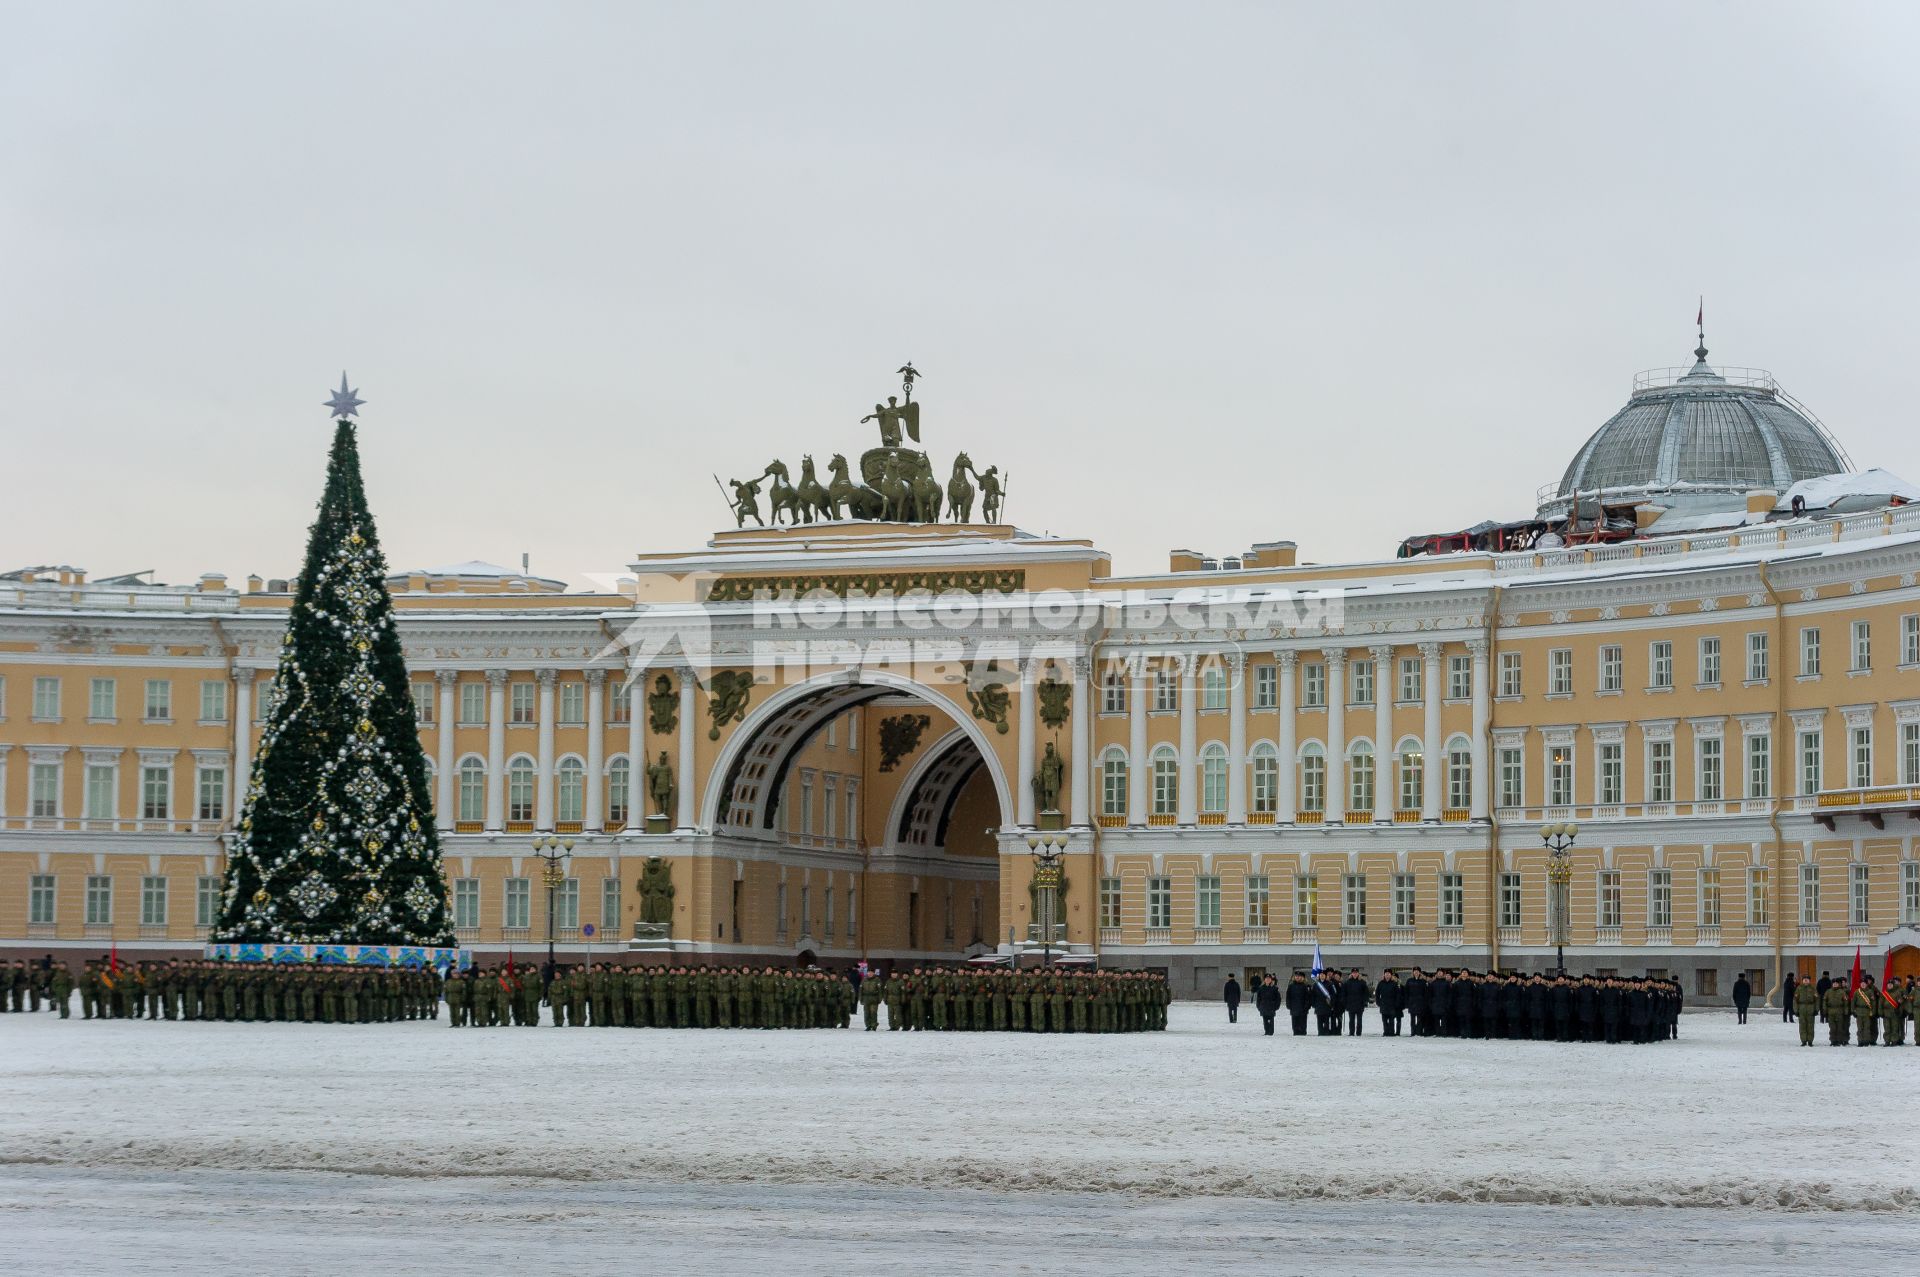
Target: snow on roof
{"type": "Point", "coordinates": [1862, 491]}
{"type": "Point", "coordinates": [472, 567]}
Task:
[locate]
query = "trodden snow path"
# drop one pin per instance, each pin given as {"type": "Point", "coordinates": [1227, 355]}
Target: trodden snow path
{"type": "Point", "coordinates": [1727, 1115]}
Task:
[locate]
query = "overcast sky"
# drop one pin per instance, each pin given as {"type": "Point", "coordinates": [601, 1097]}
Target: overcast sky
{"type": "Point", "coordinates": [1193, 275]}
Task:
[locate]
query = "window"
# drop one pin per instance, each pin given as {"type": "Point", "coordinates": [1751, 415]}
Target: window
{"type": "Point", "coordinates": [1710, 660]}
{"type": "Point", "coordinates": [1266, 777]}
{"type": "Point", "coordinates": [1313, 778]}
{"type": "Point", "coordinates": [573, 704]}
{"type": "Point", "coordinates": [156, 793]}
{"type": "Point", "coordinates": [1360, 777]}
{"type": "Point", "coordinates": [1909, 892]}
{"type": "Point", "coordinates": [1113, 784]}
{"type": "Point", "coordinates": [1412, 776]}
{"type": "Point", "coordinates": [1166, 689]}
{"type": "Point", "coordinates": [1213, 778]}
{"type": "Point", "coordinates": [1613, 773]}
{"type": "Point", "coordinates": [1512, 777]}
{"type": "Point", "coordinates": [853, 823]}
{"type": "Point", "coordinates": [619, 701]}
{"type": "Point", "coordinates": [1258, 901]}
{"type": "Point", "coordinates": [1910, 639]}
{"type": "Point", "coordinates": [1910, 753]}
{"type": "Point", "coordinates": [1266, 686]}
{"type": "Point", "coordinates": [1411, 672]}
{"type": "Point", "coordinates": [1862, 646]}
{"type": "Point", "coordinates": [1609, 897]}
{"type": "Point", "coordinates": [518, 912]}
{"type": "Point", "coordinates": [473, 704]}
{"type": "Point", "coordinates": [1757, 657]}
{"type": "Point", "coordinates": [1612, 668]}
{"type": "Point", "coordinates": [1810, 761]}
{"type": "Point", "coordinates": [99, 900]}
{"type": "Point", "coordinates": [806, 814]}
{"type": "Point", "coordinates": [213, 700]}
{"type": "Point", "coordinates": [853, 912]}
{"type": "Point", "coordinates": [566, 906]}
{"type": "Point", "coordinates": [1166, 782]}
{"type": "Point", "coordinates": [466, 903]}
{"type": "Point", "coordinates": [1460, 777]}
{"type": "Point", "coordinates": [43, 790]}
{"type": "Point", "coordinates": [1759, 766]}
{"type": "Point", "coordinates": [1706, 982]}
{"type": "Point", "coordinates": [1709, 897]}
{"type": "Point", "coordinates": [1560, 672]}
{"type": "Point", "coordinates": [1509, 899]}
{"type": "Point", "coordinates": [159, 700]}
{"type": "Point", "coordinates": [422, 703]}
{"type": "Point", "coordinates": [1362, 682]}
{"type": "Point", "coordinates": [211, 801]}
{"type": "Point", "coordinates": [1860, 754]}
{"type": "Point", "coordinates": [1110, 903]}
{"type": "Point", "coordinates": [1707, 782]}
{"type": "Point", "coordinates": [570, 790]}
{"type": "Point", "coordinates": [1859, 883]}
{"type": "Point", "coordinates": [1453, 900]}
{"type": "Point", "coordinates": [1159, 902]}
{"type": "Point", "coordinates": [619, 785]}
{"type": "Point", "coordinates": [1213, 687]}
{"type": "Point", "coordinates": [1459, 678]}
{"type": "Point", "coordinates": [1660, 898]}
{"type": "Point", "coordinates": [1759, 896]}
{"type": "Point", "coordinates": [1113, 693]}
{"type": "Point", "coordinates": [1810, 652]}
{"type": "Point", "coordinates": [1313, 685]}
{"type": "Point", "coordinates": [46, 698]}
{"type": "Point", "coordinates": [520, 791]}
{"type": "Point", "coordinates": [521, 703]}
{"type": "Point", "coordinates": [206, 901]}
{"type": "Point", "coordinates": [1510, 674]}
{"type": "Point", "coordinates": [1559, 775]}
{"type": "Point", "coordinates": [473, 791]}
{"type": "Point", "coordinates": [1206, 900]}
{"type": "Point", "coordinates": [153, 901]}
{"type": "Point", "coordinates": [1660, 664]}
{"type": "Point", "coordinates": [1353, 900]}
{"type": "Point", "coordinates": [1659, 771]}
{"type": "Point", "coordinates": [102, 699]}
{"type": "Point", "coordinates": [830, 806]}
{"type": "Point", "coordinates": [1306, 900]}
{"type": "Point", "coordinates": [1809, 895]}
{"type": "Point", "coordinates": [40, 900]}
{"type": "Point", "coordinates": [1403, 900]}
{"type": "Point", "coordinates": [610, 906]}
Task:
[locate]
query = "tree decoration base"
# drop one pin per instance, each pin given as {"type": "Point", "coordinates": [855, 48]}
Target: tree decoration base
{"type": "Point", "coordinates": [351, 955]}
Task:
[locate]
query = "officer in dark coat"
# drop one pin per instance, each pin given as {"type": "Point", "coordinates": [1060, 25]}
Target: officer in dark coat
{"type": "Point", "coordinates": [1542, 1005]}
{"type": "Point", "coordinates": [1326, 1006]}
{"type": "Point", "coordinates": [1299, 1000]}
{"type": "Point", "coordinates": [1489, 991]}
{"type": "Point", "coordinates": [1390, 997]}
{"type": "Point", "coordinates": [1232, 996]}
{"type": "Point", "coordinates": [1440, 991]}
{"type": "Point", "coordinates": [1786, 997]}
{"type": "Point", "coordinates": [1586, 1008]}
{"type": "Point", "coordinates": [1513, 1007]}
{"type": "Point", "coordinates": [1610, 999]}
{"type": "Point", "coordinates": [1354, 995]}
{"type": "Point", "coordinates": [1466, 1005]}
{"type": "Point", "coordinates": [1639, 1012]}
{"type": "Point", "coordinates": [1266, 1000]}
{"type": "Point", "coordinates": [1419, 1007]}
{"type": "Point", "coordinates": [1742, 995]}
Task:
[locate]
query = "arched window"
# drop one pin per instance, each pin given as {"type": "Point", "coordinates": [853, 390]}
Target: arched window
{"type": "Point", "coordinates": [1166, 781]}
{"type": "Point", "coordinates": [1113, 782]}
{"type": "Point", "coordinates": [1213, 778]}
{"type": "Point", "coordinates": [1412, 775]}
{"type": "Point", "coordinates": [1313, 777]}
{"type": "Point", "coordinates": [1459, 774]}
{"type": "Point", "coordinates": [1266, 777]}
{"type": "Point", "coordinates": [571, 791]}
{"type": "Point", "coordinates": [520, 789]}
{"type": "Point", "coordinates": [1360, 776]}
{"type": "Point", "coordinates": [617, 779]}
{"type": "Point", "coordinates": [473, 791]}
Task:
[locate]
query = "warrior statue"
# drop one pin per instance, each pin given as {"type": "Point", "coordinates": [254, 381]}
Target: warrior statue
{"type": "Point", "coordinates": [660, 784]}
{"type": "Point", "coordinates": [1046, 780]}
{"type": "Point", "coordinates": [656, 891]}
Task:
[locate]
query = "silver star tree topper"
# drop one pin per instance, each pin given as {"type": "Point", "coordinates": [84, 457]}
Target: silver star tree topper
{"type": "Point", "coordinates": [344, 401]}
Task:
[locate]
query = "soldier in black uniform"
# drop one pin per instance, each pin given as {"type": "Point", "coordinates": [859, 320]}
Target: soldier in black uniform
{"type": "Point", "coordinates": [1299, 1000]}
{"type": "Point", "coordinates": [1390, 997]}
{"type": "Point", "coordinates": [1354, 996]}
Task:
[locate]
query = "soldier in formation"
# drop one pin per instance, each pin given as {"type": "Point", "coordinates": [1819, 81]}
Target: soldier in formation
{"type": "Point", "coordinates": [1862, 1016]}
{"type": "Point", "coordinates": [197, 989]}
{"type": "Point", "coordinates": [680, 996]}
{"type": "Point", "coordinates": [1460, 1003]}
{"type": "Point", "coordinates": [932, 998]}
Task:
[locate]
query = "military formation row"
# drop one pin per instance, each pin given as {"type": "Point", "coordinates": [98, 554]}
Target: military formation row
{"type": "Point", "coordinates": [1050, 1000]}
{"type": "Point", "coordinates": [683, 997]}
{"type": "Point", "coordinates": [1458, 1003]}
{"type": "Point", "coordinates": [1862, 1010]}
{"type": "Point", "coordinates": [157, 990]}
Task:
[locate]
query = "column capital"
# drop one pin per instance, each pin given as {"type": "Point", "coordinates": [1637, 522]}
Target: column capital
{"type": "Point", "coordinates": [1287, 658]}
{"type": "Point", "coordinates": [1236, 660]}
{"type": "Point", "coordinates": [1083, 667]}
{"type": "Point", "coordinates": [1335, 657]}
{"type": "Point", "coordinates": [446, 678]}
{"type": "Point", "coordinates": [1381, 652]}
{"type": "Point", "coordinates": [242, 676]}
{"type": "Point", "coordinates": [1477, 648]}
{"type": "Point", "coordinates": [547, 677]}
{"type": "Point", "coordinates": [596, 678]}
{"type": "Point", "coordinates": [497, 678]}
{"type": "Point", "coordinates": [1186, 664]}
{"type": "Point", "coordinates": [1430, 652]}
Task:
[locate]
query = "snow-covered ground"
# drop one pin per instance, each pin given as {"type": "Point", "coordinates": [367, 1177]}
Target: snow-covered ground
{"type": "Point", "coordinates": [1218, 1125]}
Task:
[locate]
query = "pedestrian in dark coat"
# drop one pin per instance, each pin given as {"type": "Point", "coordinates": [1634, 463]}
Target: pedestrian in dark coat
{"type": "Point", "coordinates": [1419, 1004]}
{"type": "Point", "coordinates": [1299, 1000]}
{"type": "Point", "coordinates": [1354, 996]}
{"type": "Point", "coordinates": [1390, 997]}
{"type": "Point", "coordinates": [1786, 997]}
{"type": "Point", "coordinates": [1742, 994]}
{"type": "Point", "coordinates": [1586, 1009]}
{"type": "Point", "coordinates": [1233, 1000]}
{"type": "Point", "coordinates": [1266, 1000]}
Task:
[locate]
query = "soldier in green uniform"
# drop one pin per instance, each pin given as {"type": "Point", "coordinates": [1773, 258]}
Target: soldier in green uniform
{"type": "Point", "coordinates": [1806, 1006]}
{"type": "Point", "coordinates": [870, 995]}
{"type": "Point", "coordinates": [61, 985]}
{"type": "Point", "coordinates": [1866, 1012]}
{"type": "Point", "coordinates": [459, 995]}
{"type": "Point", "coordinates": [1893, 1009]}
{"type": "Point", "coordinates": [1833, 1004]}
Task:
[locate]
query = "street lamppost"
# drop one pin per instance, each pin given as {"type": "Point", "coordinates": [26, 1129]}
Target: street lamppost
{"type": "Point", "coordinates": [1047, 850]}
{"type": "Point", "coordinates": [1559, 843]}
{"type": "Point", "coordinates": [555, 852]}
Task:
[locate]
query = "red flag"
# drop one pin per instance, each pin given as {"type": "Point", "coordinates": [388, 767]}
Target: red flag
{"type": "Point", "coordinates": [509, 961]}
{"type": "Point", "coordinates": [1853, 981]}
{"type": "Point", "coordinates": [113, 957]}
{"type": "Point", "coordinates": [1886, 977]}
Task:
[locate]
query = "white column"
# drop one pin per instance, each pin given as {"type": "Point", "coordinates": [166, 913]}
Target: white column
{"type": "Point", "coordinates": [1383, 751]}
{"type": "Point", "coordinates": [637, 752]}
{"type": "Point", "coordinates": [685, 778]}
{"type": "Point", "coordinates": [496, 750]}
{"type": "Point", "coordinates": [543, 783]}
{"type": "Point", "coordinates": [1080, 806]}
{"type": "Point", "coordinates": [1482, 726]}
{"type": "Point", "coordinates": [443, 789]}
{"type": "Point", "coordinates": [594, 808]}
{"type": "Point", "coordinates": [1140, 782]}
{"type": "Point", "coordinates": [242, 738]}
{"type": "Point", "coordinates": [1189, 800]}
{"type": "Point", "coordinates": [1023, 800]}
{"type": "Point", "coordinates": [1236, 738]}
{"type": "Point", "coordinates": [1336, 659]}
{"type": "Point", "coordinates": [1289, 663]}
{"type": "Point", "coordinates": [1435, 777]}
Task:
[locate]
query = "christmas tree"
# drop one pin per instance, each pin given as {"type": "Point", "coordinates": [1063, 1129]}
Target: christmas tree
{"type": "Point", "coordinates": [336, 843]}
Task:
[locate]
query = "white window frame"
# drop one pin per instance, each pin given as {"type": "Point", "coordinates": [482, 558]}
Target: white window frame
{"type": "Point", "coordinates": [1660, 665]}
{"type": "Point", "coordinates": [1660, 897]}
{"type": "Point", "coordinates": [157, 704]}
{"type": "Point", "coordinates": [1560, 671]}
{"type": "Point", "coordinates": [466, 903]}
{"type": "Point", "coordinates": [1206, 900]}
{"type": "Point", "coordinates": [1607, 897]}
{"type": "Point", "coordinates": [1159, 902]}
{"type": "Point", "coordinates": [1453, 899]}
{"type": "Point", "coordinates": [1613, 668]}
{"type": "Point", "coordinates": [213, 700]}
{"type": "Point", "coordinates": [1266, 686]}
{"type": "Point", "coordinates": [1313, 685]}
{"type": "Point", "coordinates": [1810, 651]}
{"type": "Point", "coordinates": [1353, 900]}
{"type": "Point", "coordinates": [1512, 675]}
{"type": "Point", "coordinates": [1709, 660]}
{"type": "Point", "coordinates": [103, 700]}
{"type": "Point", "coordinates": [1862, 647]}
{"type": "Point", "coordinates": [1759, 658]}
{"type": "Point", "coordinates": [1405, 900]}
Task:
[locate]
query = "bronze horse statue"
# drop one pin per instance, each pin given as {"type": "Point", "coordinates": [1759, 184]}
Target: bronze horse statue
{"type": "Point", "coordinates": [959, 491]}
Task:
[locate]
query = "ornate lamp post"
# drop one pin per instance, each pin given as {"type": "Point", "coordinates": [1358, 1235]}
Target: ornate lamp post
{"type": "Point", "coordinates": [1047, 850]}
{"type": "Point", "coordinates": [555, 852]}
{"type": "Point", "coordinates": [1559, 843]}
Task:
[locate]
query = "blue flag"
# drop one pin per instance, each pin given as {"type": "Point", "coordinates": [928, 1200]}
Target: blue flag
{"type": "Point", "coordinates": [1318, 965]}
